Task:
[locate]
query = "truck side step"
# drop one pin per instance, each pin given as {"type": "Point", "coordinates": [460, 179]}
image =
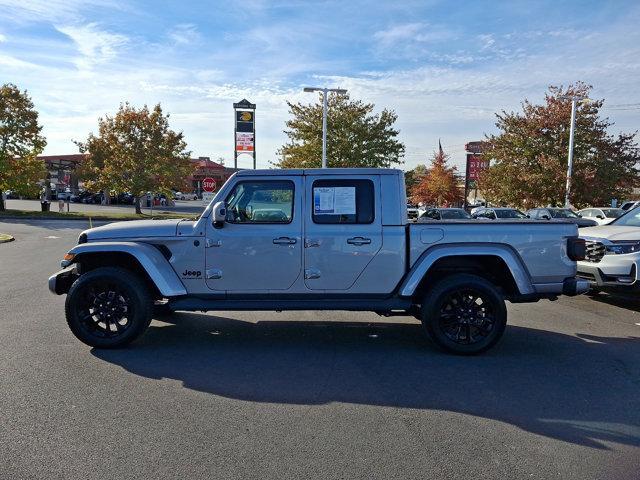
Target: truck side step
{"type": "Point", "coordinates": [371, 305]}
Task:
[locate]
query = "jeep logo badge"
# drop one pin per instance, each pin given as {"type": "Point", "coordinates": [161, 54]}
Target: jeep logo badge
{"type": "Point", "coordinates": [192, 273]}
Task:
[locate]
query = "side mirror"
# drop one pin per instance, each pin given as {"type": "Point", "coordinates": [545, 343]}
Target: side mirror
{"type": "Point", "coordinates": [599, 216]}
{"type": "Point", "coordinates": [219, 214]}
{"type": "Point", "coordinates": [545, 217]}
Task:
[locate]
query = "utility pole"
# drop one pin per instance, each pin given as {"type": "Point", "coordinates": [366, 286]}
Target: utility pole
{"type": "Point", "coordinates": [325, 92]}
{"type": "Point", "coordinates": [574, 102]}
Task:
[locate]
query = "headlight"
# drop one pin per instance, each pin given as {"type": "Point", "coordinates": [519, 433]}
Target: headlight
{"type": "Point", "coordinates": [620, 248]}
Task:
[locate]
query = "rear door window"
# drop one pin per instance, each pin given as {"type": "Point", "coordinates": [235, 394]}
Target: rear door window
{"type": "Point", "coordinates": [343, 201]}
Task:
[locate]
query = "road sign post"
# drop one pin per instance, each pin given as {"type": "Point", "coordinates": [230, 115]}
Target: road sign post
{"type": "Point", "coordinates": [209, 187]}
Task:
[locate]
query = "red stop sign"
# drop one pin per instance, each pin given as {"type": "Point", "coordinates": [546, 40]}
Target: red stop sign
{"type": "Point", "coordinates": [209, 184]}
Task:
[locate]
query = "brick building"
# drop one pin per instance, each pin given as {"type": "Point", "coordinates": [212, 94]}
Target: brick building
{"type": "Point", "coordinates": [61, 173]}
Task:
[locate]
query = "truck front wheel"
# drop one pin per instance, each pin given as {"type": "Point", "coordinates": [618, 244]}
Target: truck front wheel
{"type": "Point", "coordinates": [108, 307]}
{"type": "Point", "coordinates": [464, 314]}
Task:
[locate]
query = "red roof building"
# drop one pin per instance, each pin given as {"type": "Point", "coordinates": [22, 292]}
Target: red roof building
{"type": "Point", "coordinates": [61, 172]}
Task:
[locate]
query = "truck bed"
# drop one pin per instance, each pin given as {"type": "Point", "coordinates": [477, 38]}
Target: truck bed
{"type": "Point", "coordinates": [541, 247]}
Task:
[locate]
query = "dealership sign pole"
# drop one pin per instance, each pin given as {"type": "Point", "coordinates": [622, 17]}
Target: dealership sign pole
{"type": "Point", "coordinates": [244, 132]}
{"type": "Point", "coordinates": [475, 166]}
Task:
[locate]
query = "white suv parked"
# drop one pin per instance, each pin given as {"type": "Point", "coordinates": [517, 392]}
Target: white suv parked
{"type": "Point", "coordinates": [603, 215]}
{"type": "Point", "coordinates": [613, 253]}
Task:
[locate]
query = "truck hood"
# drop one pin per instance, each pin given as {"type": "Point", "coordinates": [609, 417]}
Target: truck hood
{"type": "Point", "coordinates": [134, 229]}
{"type": "Point", "coordinates": [612, 232]}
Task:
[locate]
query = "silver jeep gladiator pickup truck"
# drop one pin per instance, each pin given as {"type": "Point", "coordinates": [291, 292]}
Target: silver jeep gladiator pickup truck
{"type": "Point", "coordinates": [320, 239]}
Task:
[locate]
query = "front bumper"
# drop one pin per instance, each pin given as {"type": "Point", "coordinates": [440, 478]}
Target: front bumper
{"type": "Point", "coordinates": [612, 271]}
{"type": "Point", "coordinates": [60, 282]}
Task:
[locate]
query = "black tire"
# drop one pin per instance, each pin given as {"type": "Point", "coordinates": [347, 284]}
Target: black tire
{"type": "Point", "coordinates": [464, 314]}
{"type": "Point", "coordinates": [108, 307]}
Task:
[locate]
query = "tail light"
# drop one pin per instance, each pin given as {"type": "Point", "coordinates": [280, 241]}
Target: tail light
{"type": "Point", "coordinates": [576, 248]}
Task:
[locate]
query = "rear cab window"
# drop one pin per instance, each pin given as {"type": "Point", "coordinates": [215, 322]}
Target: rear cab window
{"type": "Point", "coordinates": [345, 201]}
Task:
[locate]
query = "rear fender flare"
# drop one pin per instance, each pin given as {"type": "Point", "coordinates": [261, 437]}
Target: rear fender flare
{"type": "Point", "coordinates": [511, 258]}
{"type": "Point", "coordinates": [157, 267]}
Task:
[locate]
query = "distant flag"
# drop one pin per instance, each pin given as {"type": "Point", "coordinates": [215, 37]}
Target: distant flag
{"type": "Point", "coordinates": [440, 147]}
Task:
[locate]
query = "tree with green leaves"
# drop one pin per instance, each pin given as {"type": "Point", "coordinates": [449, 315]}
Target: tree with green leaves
{"type": "Point", "coordinates": [21, 142]}
{"type": "Point", "coordinates": [355, 136]}
{"type": "Point", "coordinates": [414, 176]}
{"type": "Point", "coordinates": [135, 151]}
{"type": "Point", "coordinates": [529, 155]}
{"type": "Point", "coordinates": [439, 185]}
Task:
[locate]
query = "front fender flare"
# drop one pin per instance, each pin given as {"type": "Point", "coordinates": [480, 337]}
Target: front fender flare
{"type": "Point", "coordinates": [518, 270]}
{"type": "Point", "coordinates": [157, 267]}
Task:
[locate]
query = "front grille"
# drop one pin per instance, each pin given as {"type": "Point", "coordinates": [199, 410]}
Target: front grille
{"type": "Point", "coordinates": [595, 251]}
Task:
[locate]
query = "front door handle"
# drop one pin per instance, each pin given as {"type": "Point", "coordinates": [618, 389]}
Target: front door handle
{"type": "Point", "coordinates": [359, 241]}
{"type": "Point", "coordinates": [284, 241]}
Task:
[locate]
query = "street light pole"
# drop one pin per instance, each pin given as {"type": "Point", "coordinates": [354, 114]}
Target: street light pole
{"type": "Point", "coordinates": [574, 103]}
{"type": "Point", "coordinates": [325, 95]}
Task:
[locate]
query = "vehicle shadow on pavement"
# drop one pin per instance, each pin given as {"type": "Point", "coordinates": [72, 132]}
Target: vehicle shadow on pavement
{"type": "Point", "coordinates": [579, 389]}
{"type": "Point", "coordinates": [628, 300]}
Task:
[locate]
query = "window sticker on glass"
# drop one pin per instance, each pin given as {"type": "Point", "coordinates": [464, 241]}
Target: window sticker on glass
{"type": "Point", "coordinates": [334, 201]}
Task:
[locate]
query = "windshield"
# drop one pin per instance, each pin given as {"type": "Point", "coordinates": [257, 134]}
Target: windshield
{"type": "Point", "coordinates": [629, 219]}
{"type": "Point", "coordinates": [453, 214]}
{"type": "Point", "coordinates": [562, 213]}
{"type": "Point", "coordinates": [613, 212]}
{"type": "Point", "coordinates": [510, 214]}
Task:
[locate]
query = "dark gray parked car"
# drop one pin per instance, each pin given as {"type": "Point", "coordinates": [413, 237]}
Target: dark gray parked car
{"type": "Point", "coordinates": [444, 214]}
{"type": "Point", "coordinates": [557, 214]}
{"type": "Point", "coordinates": [499, 213]}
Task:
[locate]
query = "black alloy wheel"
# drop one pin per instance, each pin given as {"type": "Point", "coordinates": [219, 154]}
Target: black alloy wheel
{"type": "Point", "coordinates": [464, 314]}
{"type": "Point", "coordinates": [108, 307]}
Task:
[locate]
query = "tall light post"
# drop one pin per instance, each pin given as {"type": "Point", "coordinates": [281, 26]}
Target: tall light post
{"type": "Point", "coordinates": [325, 92]}
{"type": "Point", "coordinates": [574, 102]}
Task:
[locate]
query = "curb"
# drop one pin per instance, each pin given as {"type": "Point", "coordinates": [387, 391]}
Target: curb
{"type": "Point", "coordinates": [6, 238]}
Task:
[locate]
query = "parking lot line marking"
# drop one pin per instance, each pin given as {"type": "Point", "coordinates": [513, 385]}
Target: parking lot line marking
{"type": "Point", "coordinates": [51, 236]}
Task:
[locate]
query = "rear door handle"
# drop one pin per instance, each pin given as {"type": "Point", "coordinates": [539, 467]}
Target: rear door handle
{"type": "Point", "coordinates": [359, 241]}
{"type": "Point", "coordinates": [284, 241]}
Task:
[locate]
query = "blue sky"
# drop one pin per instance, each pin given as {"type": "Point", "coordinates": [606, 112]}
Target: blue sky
{"type": "Point", "coordinates": [445, 67]}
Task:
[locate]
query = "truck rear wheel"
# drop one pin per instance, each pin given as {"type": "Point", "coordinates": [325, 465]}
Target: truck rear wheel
{"type": "Point", "coordinates": [464, 314]}
{"type": "Point", "coordinates": [108, 307]}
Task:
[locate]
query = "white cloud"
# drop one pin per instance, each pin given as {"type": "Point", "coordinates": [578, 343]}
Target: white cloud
{"type": "Point", "coordinates": [95, 45]}
{"type": "Point", "coordinates": [413, 32]}
{"type": "Point", "coordinates": [185, 33]}
{"type": "Point", "coordinates": [29, 11]}
{"type": "Point", "coordinates": [2, 38]}
{"type": "Point", "coordinates": [13, 62]}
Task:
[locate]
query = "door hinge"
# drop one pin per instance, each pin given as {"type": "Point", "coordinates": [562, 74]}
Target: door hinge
{"type": "Point", "coordinates": [212, 243]}
{"type": "Point", "coordinates": [214, 274]}
{"type": "Point", "coordinates": [311, 273]}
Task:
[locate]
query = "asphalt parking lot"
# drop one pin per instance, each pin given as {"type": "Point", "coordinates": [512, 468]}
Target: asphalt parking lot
{"type": "Point", "coordinates": [310, 395]}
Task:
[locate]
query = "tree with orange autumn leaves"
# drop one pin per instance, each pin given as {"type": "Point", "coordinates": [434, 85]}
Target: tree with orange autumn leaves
{"type": "Point", "coordinates": [439, 185]}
